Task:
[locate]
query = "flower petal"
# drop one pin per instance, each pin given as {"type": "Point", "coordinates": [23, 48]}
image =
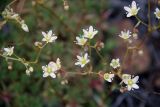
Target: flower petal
{"type": "Point", "coordinates": [135, 86]}
{"type": "Point", "coordinates": [50, 33]}
{"type": "Point", "coordinates": [135, 79]}
{"type": "Point", "coordinates": [45, 74]}
{"type": "Point", "coordinates": [127, 9]}
{"type": "Point", "coordinates": [53, 75]}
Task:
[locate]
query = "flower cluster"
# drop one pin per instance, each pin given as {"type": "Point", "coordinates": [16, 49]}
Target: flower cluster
{"type": "Point", "coordinates": [82, 40]}
{"type": "Point", "coordinates": [129, 80]}
{"type": "Point", "coordinates": [9, 14]}
{"type": "Point", "coordinates": [52, 68]}
{"type": "Point", "coordinates": [87, 34]}
{"type": "Point", "coordinates": [133, 10]}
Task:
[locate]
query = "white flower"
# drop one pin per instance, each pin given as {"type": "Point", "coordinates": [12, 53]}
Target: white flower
{"type": "Point", "coordinates": [82, 60]}
{"type": "Point", "coordinates": [51, 68]}
{"type": "Point", "coordinates": [24, 27]}
{"type": "Point", "coordinates": [132, 10]}
{"type": "Point", "coordinates": [8, 51]}
{"type": "Point", "coordinates": [157, 13]}
{"type": "Point", "coordinates": [108, 77]}
{"type": "Point", "coordinates": [81, 41]}
{"type": "Point", "coordinates": [115, 63]}
{"type": "Point", "coordinates": [125, 34]}
{"type": "Point", "coordinates": [49, 37]}
{"type": "Point", "coordinates": [90, 33]}
{"type": "Point", "coordinates": [131, 83]}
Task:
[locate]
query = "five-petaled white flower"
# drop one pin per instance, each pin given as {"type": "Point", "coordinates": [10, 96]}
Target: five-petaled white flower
{"type": "Point", "coordinates": [49, 37]}
{"type": "Point", "coordinates": [81, 41]}
{"type": "Point", "coordinates": [89, 33]}
{"type": "Point", "coordinates": [132, 10]}
{"type": "Point", "coordinates": [82, 60]}
{"type": "Point", "coordinates": [108, 77]}
{"type": "Point", "coordinates": [157, 13]}
{"type": "Point", "coordinates": [131, 83]}
{"type": "Point", "coordinates": [125, 34]}
{"type": "Point", "coordinates": [8, 51]}
{"type": "Point", "coordinates": [115, 63]}
{"type": "Point", "coordinates": [51, 68]}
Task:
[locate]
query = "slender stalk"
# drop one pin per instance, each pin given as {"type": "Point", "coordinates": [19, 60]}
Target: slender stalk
{"type": "Point", "coordinates": [145, 24]}
{"type": "Point", "coordinates": [149, 16]}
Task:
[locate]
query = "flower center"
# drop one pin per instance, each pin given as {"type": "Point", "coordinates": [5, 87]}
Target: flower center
{"type": "Point", "coordinates": [130, 82]}
{"type": "Point", "coordinates": [89, 35]}
{"type": "Point", "coordinates": [83, 41]}
{"type": "Point", "coordinates": [49, 69]}
{"type": "Point", "coordinates": [134, 11]}
{"type": "Point", "coordinates": [83, 61]}
{"type": "Point", "coordinates": [158, 14]}
{"type": "Point", "coordinates": [48, 38]}
{"type": "Point", "coordinates": [106, 76]}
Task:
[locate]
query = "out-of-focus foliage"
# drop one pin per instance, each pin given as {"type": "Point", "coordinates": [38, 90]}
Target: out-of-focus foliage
{"type": "Point", "coordinates": [19, 90]}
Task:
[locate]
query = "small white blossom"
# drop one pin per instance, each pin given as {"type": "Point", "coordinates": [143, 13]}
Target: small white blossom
{"type": "Point", "coordinates": [125, 34]}
{"type": "Point", "coordinates": [115, 63]}
{"type": "Point", "coordinates": [24, 27]}
{"type": "Point", "coordinates": [132, 10]}
{"type": "Point", "coordinates": [108, 77]}
{"type": "Point", "coordinates": [8, 51]}
{"type": "Point", "coordinates": [90, 33]}
{"type": "Point", "coordinates": [82, 60]}
{"type": "Point", "coordinates": [131, 83]}
{"type": "Point", "coordinates": [157, 13]}
{"type": "Point", "coordinates": [51, 68]}
{"type": "Point", "coordinates": [81, 41]}
{"type": "Point", "coordinates": [49, 37]}
{"type": "Point", "coordinates": [29, 70]}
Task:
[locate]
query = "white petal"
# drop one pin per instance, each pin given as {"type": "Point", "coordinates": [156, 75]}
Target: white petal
{"type": "Point", "coordinates": [135, 86]}
{"type": "Point", "coordinates": [78, 39]}
{"type": "Point", "coordinates": [129, 88]}
{"type": "Point", "coordinates": [86, 55]}
{"type": "Point", "coordinates": [127, 8]}
{"type": "Point", "coordinates": [109, 80]}
{"type": "Point", "coordinates": [6, 49]}
{"type": "Point", "coordinates": [54, 37]}
{"type": "Point", "coordinates": [85, 32]}
{"type": "Point", "coordinates": [77, 63]}
{"type": "Point", "coordinates": [129, 15]}
{"type": "Point", "coordinates": [44, 34]}
{"type": "Point", "coordinates": [157, 10]}
{"type": "Point", "coordinates": [44, 68]}
{"type": "Point", "coordinates": [50, 33]}
{"type": "Point", "coordinates": [45, 74]}
{"type": "Point", "coordinates": [135, 79]}
{"type": "Point", "coordinates": [25, 27]}
{"type": "Point", "coordinates": [53, 75]}
{"type": "Point", "coordinates": [95, 32]}
{"type": "Point", "coordinates": [44, 39]}
{"type": "Point", "coordinates": [82, 65]}
{"type": "Point", "coordinates": [134, 4]}
{"type": "Point", "coordinates": [79, 57]}
{"type": "Point", "coordinates": [91, 29]}
{"type": "Point", "coordinates": [87, 61]}
{"type": "Point", "coordinates": [111, 75]}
